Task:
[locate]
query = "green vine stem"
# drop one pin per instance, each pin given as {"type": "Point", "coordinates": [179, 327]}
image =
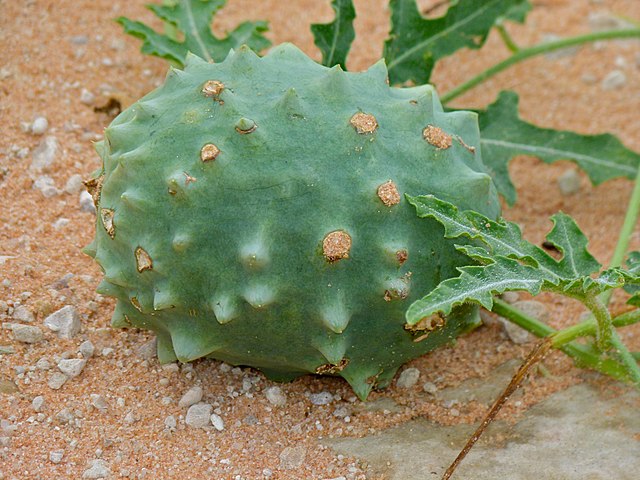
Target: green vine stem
{"type": "Point", "coordinates": [507, 39]}
{"type": "Point", "coordinates": [626, 232]}
{"type": "Point", "coordinates": [562, 340]}
{"type": "Point", "coordinates": [525, 53]}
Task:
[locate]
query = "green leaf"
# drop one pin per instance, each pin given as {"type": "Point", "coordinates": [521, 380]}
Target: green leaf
{"type": "Point", "coordinates": [518, 13]}
{"type": "Point", "coordinates": [416, 43]}
{"type": "Point", "coordinates": [334, 39]}
{"type": "Point", "coordinates": [193, 18]}
{"type": "Point", "coordinates": [508, 262]}
{"type": "Point", "coordinates": [504, 135]}
{"type": "Point", "coordinates": [633, 284]}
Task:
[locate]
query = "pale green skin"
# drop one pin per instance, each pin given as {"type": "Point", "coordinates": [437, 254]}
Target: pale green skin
{"type": "Point", "coordinates": [238, 271]}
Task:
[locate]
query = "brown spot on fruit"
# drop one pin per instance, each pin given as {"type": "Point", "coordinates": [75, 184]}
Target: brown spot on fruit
{"type": "Point", "coordinates": [388, 193]}
{"type": "Point", "coordinates": [143, 260]}
{"type": "Point", "coordinates": [364, 123]}
{"type": "Point", "coordinates": [106, 215]}
{"type": "Point", "coordinates": [188, 178]}
{"type": "Point", "coordinates": [336, 245]}
{"type": "Point", "coordinates": [332, 369]}
{"type": "Point", "coordinates": [136, 304]}
{"type": "Point", "coordinates": [437, 137]}
{"type": "Point", "coordinates": [401, 256]}
{"type": "Point", "coordinates": [209, 152]}
{"type": "Point", "coordinates": [94, 187]}
{"type": "Point", "coordinates": [213, 89]}
{"type": "Point", "coordinates": [426, 325]}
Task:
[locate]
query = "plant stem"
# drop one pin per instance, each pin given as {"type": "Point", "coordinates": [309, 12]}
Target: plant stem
{"type": "Point", "coordinates": [604, 331]}
{"type": "Point", "coordinates": [583, 355]}
{"type": "Point", "coordinates": [627, 358]}
{"type": "Point", "coordinates": [507, 39]}
{"type": "Point", "coordinates": [630, 220]}
{"type": "Point", "coordinates": [529, 52]}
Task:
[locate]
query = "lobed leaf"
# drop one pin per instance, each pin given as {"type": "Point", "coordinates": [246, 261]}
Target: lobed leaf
{"type": "Point", "coordinates": [334, 39]}
{"type": "Point", "coordinates": [416, 43]}
{"type": "Point", "coordinates": [193, 18]}
{"type": "Point", "coordinates": [508, 262]}
{"type": "Point", "coordinates": [504, 135]}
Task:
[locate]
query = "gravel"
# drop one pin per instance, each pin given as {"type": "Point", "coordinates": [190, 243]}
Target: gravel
{"type": "Point", "coordinates": [27, 333]}
{"type": "Point", "coordinates": [87, 97]}
{"type": "Point", "coordinates": [99, 402]}
{"type": "Point", "coordinates": [148, 350]}
{"type": "Point", "coordinates": [198, 415]}
{"type": "Point", "coordinates": [74, 184]}
{"type": "Point", "coordinates": [170, 422]}
{"type": "Point", "coordinates": [408, 378]}
{"type": "Point", "coordinates": [430, 388]}
{"type": "Point", "coordinates": [46, 186]}
{"type": "Point", "coordinates": [66, 322]}
{"type": "Point", "coordinates": [72, 367]}
{"type": "Point", "coordinates": [87, 349]}
{"type": "Point", "coordinates": [191, 397]}
{"type": "Point", "coordinates": [275, 396]}
{"type": "Point", "coordinates": [56, 456]}
{"type": "Point", "coordinates": [44, 154]}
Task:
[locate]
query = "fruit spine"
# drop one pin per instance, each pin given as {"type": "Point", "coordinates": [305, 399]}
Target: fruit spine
{"type": "Point", "coordinates": [252, 211]}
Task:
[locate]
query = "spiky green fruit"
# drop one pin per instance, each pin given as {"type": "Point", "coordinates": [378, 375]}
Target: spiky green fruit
{"type": "Point", "coordinates": [252, 211]}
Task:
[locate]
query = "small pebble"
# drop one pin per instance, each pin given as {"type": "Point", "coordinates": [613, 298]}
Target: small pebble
{"type": "Point", "coordinates": [72, 367]}
{"type": "Point", "coordinates": [46, 186]}
{"type": "Point", "coordinates": [44, 154]}
{"type": "Point", "coordinates": [27, 333]}
{"type": "Point", "coordinates": [148, 350]}
{"type": "Point", "coordinates": [130, 418]}
{"type": "Point", "coordinates": [292, 457]}
{"type": "Point", "coordinates": [60, 223]}
{"type": "Point", "coordinates": [86, 202]}
{"type": "Point", "coordinates": [217, 422]}
{"type": "Point", "coordinates": [22, 314]}
{"type": "Point", "coordinates": [39, 126]}
{"type": "Point", "coordinates": [65, 416]}
{"type": "Point", "coordinates": [322, 398]}
{"type": "Point", "coordinates": [342, 412]}
{"type": "Point", "coordinates": [57, 380]}
{"type": "Point", "coordinates": [430, 388]}
{"type": "Point", "coordinates": [74, 184]}
{"type": "Point", "coordinates": [275, 396]}
{"type": "Point", "coordinates": [198, 415]}
{"type": "Point", "coordinates": [191, 397]}
{"type": "Point", "coordinates": [87, 97]}
{"type": "Point", "coordinates": [87, 349]}
{"type": "Point", "coordinates": [408, 378]}
{"type": "Point", "coordinates": [98, 469]}
{"type": "Point", "coordinates": [99, 402]}
{"type": "Point", "coordinates": [569, 182]}
{"type": "Point", "coordinates": [43, 364]}
{"type": "Point", "coordinates": [614, 80]}
{"type": "Point", "coordinates": [38, 403]}
{"type": "Point", "coordinates": [56, 456]}
{"type": "Point", "coordinates": [66, 322]}
{"type": "Point", "coordinates": [170, 422]}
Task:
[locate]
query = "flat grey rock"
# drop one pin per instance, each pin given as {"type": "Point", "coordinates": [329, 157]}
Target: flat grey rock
{"type": "Point", "coordinates": [575, 434]}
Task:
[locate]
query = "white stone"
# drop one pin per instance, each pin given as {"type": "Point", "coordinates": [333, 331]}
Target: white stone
{"type": "Point", "coordinates": [39, 126]}
{"type": "Point", "coordinates": [408, 378]}
{"type": "Point", "coordinates": [27, 333]}
{"type": "Point", "coordinates": [430, 388]}
{"type": "Point", "coordinates": [22, 314]}
{"type": "Point", "coordinates": [292, 458]}
{"type": "Point", "coordinates": [322, 398]}
{"type": "Point", "coordinates": [98, 469]}
{"type": "Point", "coordinates": [74, 184]}
{"type": "Point", "coordinates": [38, 403]}
{"type": "Point", "coordinates": [57, 380]}
{"type": "Point", "coordinates": [86, 202]}
{"type": "Point", "coordinates": [44, 154]}
{"type": "Point", "coordinates": [569, 182]}
{"type": "Point", "coordinates": [56, 456]}
{"type": "Point", "coordinates": [170, 422]}
{"type": "Point", "coordinates": [46, 186]}
{"type": "Point", "coordinates": [198, 415]}
{"type": "Point", "coordinates": [66, 322]}
{"type": "Point", "coordinates": [191, 397]}
{"type": "Point", "coordinates": [275, 396]}
{"type": "Point", "coordinates": [99, 402]}
{"type": "Point", "coordinates": [72, 367]}
{"type": "Point", "coordinates": [217, 422]}
{"type": "Point", "coordinates": [614, 80]}
{"type": "Point", "coordinates": [87, 349]}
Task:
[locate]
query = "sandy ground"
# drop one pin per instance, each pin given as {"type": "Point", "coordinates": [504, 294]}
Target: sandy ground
{"type": "Point", "coordinates": [121, 413]}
